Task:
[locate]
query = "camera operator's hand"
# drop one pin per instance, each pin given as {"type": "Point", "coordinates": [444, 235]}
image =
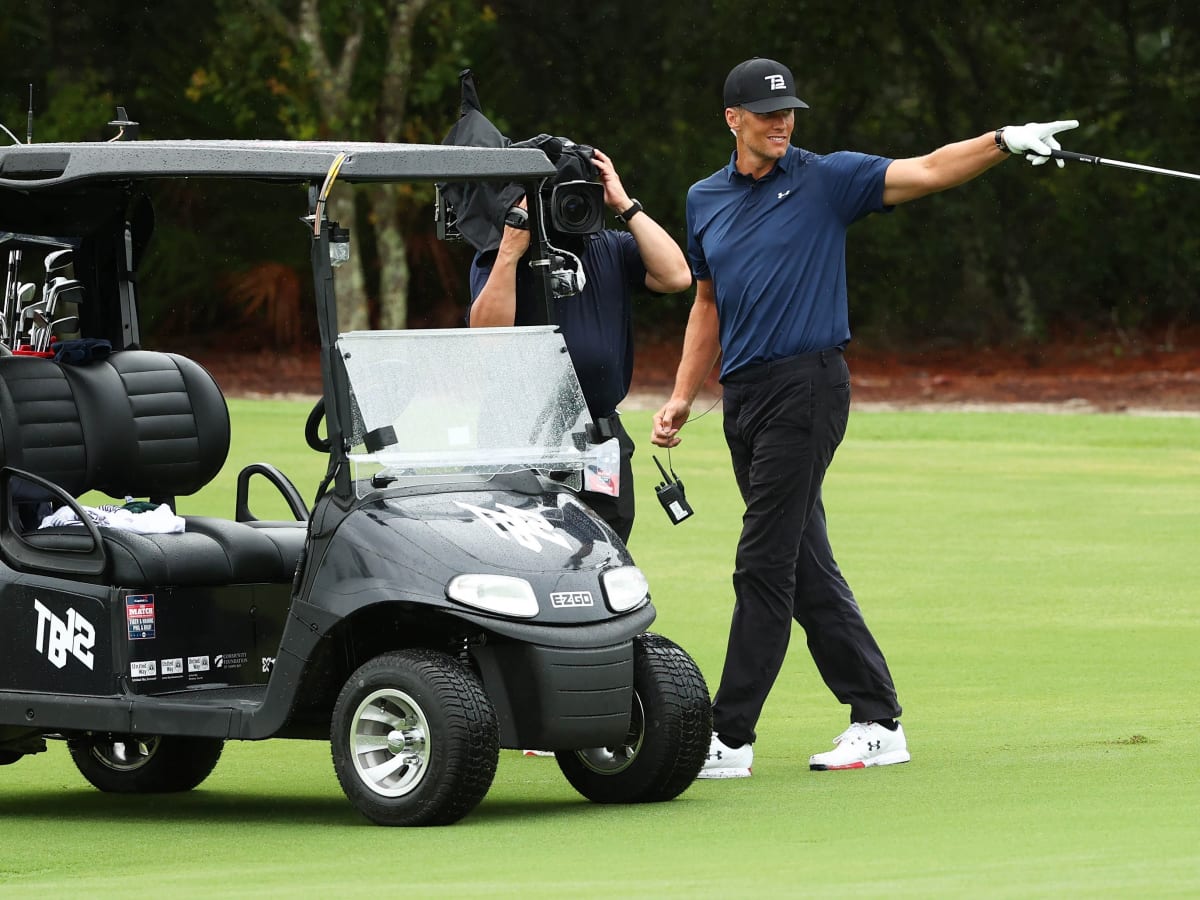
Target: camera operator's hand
{"type": "Point", "coordinates": [615, 197]}
{"type": "Point", "coordinates": [667, 271]}
{"type": "Point", "coordinates": [515, 241]}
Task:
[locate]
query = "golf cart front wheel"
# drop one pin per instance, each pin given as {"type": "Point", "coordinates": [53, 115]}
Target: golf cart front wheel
{"type": "Point", "coordinates": [144, 764]}
{"type": "Point", "coordinates": [670, 726]}
{"type": "Point", "coordinates": [414, 739]}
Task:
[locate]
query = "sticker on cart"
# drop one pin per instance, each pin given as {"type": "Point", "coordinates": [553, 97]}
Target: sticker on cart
{"type": "Point", "coordinates": [139, 616]}
{"type": "Point", "coordinates": [144, 669]}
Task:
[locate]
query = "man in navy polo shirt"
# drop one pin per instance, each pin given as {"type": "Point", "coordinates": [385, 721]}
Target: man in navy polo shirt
{"type": "Point", "coordinates": [597, 324]}
{"type": "Point", "coordinates": [766, 242]}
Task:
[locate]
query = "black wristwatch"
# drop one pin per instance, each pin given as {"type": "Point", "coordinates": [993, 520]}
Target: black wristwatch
{"type": "Point", "coordinates": [517, 218]}
{"type": "Point", "coordinates": [634, 209]}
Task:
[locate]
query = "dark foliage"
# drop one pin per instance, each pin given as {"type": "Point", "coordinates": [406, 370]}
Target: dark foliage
{"type": "Point", "coordinates": [1019, 254]}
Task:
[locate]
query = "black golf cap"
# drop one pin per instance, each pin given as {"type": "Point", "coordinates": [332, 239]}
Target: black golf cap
{"type": "Point", "coordinates": [762, 86]}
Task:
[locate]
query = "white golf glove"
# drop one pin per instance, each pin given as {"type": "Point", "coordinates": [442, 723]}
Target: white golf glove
{"type": "Point", "coordinates": [1036, 139]}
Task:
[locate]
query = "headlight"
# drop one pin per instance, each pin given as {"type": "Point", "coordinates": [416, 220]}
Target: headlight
{"type": "Point", "coordinates": [625, 588]}
{"type": "Point", "coordinates": [500, 594]}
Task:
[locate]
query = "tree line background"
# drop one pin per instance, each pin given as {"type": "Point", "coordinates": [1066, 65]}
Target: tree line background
{"type": "Point", "coordinates": [1021, 254]}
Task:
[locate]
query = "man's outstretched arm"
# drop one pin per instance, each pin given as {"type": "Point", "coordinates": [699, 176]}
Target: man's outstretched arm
{"type": "Point", "coordinates": [957, 163]}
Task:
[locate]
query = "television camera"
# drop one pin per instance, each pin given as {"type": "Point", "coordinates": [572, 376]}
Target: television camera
{"type": "Point", "coordinates": [569, 204]}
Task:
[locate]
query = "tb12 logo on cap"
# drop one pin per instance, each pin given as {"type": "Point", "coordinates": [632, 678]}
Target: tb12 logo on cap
{"type": "Point", "coordinates": [775, 82]}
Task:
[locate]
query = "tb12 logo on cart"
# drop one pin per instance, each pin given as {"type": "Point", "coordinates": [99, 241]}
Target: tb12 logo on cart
{"type": "Point", "coordinates": [528, 529]}
{"type": "Point", "coordinates": [57, 637]}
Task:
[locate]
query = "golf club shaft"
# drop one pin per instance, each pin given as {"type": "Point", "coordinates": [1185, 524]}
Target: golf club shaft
{"type": "Point", "coordinates": [1116, 163]}
{"type": "Point", "coordinates": [10, 293]}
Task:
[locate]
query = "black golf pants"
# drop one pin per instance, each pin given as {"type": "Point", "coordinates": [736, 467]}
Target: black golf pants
{"type": "Point", "coordinates": [783, 422]}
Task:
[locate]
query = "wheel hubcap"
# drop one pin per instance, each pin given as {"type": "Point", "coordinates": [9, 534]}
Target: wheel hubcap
{"type": "Point", "coordinates": [389, 742]}
{"type": "Point", "coordinates": [611, 760]}
{"type": "Point", "coordinates": [124, 754]}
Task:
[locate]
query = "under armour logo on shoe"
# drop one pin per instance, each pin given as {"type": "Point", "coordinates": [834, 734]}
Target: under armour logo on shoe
{"type": "Point", "coordinates": [874, 745]}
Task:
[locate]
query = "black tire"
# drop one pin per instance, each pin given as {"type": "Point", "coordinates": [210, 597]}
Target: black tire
{"type": "Point", "coordinates": [125, 764]}
{"type": "Point", "coordinates": [414, 739]}
{"type": "Point", "coordinates": [669, 732]}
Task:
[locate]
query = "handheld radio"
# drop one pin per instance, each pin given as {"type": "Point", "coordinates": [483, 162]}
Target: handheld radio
{"type": "Point", "coordinates": [671, 496]}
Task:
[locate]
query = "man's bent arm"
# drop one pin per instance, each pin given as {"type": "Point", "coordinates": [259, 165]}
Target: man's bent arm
{"type": "Point", "coordinates": [497, 302]}
{"type": "Point", "coordinates": [667, 271]}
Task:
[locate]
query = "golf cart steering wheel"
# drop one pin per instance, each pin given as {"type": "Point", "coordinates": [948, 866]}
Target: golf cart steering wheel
{"type": "Point", "coordinates": [311, 437]}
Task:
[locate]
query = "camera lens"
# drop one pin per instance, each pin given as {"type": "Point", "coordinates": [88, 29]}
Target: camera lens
{"type": "Point", "coordinates": [574, 210]}
{"type": "Point", "coordinates": [577, 207]}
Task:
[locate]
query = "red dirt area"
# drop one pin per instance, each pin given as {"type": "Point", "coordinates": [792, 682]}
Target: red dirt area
{"type": "Point", "coordinates": [1104, 375]}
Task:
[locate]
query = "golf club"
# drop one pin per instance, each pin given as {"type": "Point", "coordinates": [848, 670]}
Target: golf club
{"type": "Point", "coordinates": [65, 325]}
{"type": "Point", "coordinates": [1116, 163]}
{"type": "Point", "coordinates": [61, 290]}
{"type": "Point", "coordinates": [57, 262]}
{"type": "Point", "coordinates": [57, 267]}
{"type": "Point", "coordinates": [35, 317]}
{"type": "Point", "coordinates": [50, 330]}
{"type": "Point", "coordinates": [10, 290]}
{"type": "Point", "coordinates": [27, 324]}
{"type": "Point", "coordinates": [37, 328]}
{"type": "Point", "coordinates": [24, 298]}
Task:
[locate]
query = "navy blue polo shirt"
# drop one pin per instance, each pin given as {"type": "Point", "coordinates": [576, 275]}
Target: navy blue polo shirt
{"type": "Point", "coordinates": [775, 250]}
{"type": "Point", "coordinates": [597, 324]}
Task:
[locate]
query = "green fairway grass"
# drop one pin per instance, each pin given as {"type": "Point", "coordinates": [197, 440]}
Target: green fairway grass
{"type": "Point", "coordinates": [1034, 581]}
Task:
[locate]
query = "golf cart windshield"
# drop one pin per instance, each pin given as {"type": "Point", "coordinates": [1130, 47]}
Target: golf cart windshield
{"type": "Point", "coordinates": [452, 401]}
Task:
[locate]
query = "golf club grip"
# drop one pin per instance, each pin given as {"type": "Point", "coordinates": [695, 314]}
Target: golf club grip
{"type": "Point", "coordinates": [1074, 157]}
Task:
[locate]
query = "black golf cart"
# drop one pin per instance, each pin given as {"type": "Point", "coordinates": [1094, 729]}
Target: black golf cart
{"type": "Point", "coordinates": [445, 596]}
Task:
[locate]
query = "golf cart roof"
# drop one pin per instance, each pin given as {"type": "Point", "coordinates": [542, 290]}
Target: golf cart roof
{"type": "Point", "coordinates": [35, 167]}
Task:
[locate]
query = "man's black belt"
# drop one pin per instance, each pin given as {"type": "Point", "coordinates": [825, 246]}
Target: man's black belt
{"type": "Point", "coordinates": [762, 371]}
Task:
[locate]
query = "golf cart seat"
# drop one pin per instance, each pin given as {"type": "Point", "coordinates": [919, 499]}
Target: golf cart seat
{"type": "Point", "coordinates": [138, 424]}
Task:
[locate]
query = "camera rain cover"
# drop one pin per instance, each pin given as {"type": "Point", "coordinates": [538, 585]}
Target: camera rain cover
{"type": "Point", "coordinates": [480, 207]}
{"type": "Point", "coordinates": [478, 400]}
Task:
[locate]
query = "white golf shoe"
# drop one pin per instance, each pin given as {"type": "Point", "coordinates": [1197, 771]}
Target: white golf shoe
{"type": "Point", "coordinates": [863, 744]}
{"type": "Point", "coordinates": [725, 762]}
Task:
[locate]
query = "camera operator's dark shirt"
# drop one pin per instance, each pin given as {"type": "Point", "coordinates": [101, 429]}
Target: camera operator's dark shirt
{"type": "Point", "coordinates": [597, 325]}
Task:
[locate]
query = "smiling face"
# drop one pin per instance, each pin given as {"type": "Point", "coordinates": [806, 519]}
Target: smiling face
{"type": "Point", "coordinates": [762, 138]}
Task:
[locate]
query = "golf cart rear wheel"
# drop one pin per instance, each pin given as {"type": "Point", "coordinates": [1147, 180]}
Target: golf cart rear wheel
{"type": "Point", "coordinates": [144, 764]}
{"type": "Point", "coordinates": [414, 739]}
{"type": "Point", "coordinates": [669, 731]}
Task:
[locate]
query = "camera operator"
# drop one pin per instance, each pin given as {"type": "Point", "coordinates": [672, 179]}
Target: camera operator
{"type": "Point", "coordinates": [597, 323]}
